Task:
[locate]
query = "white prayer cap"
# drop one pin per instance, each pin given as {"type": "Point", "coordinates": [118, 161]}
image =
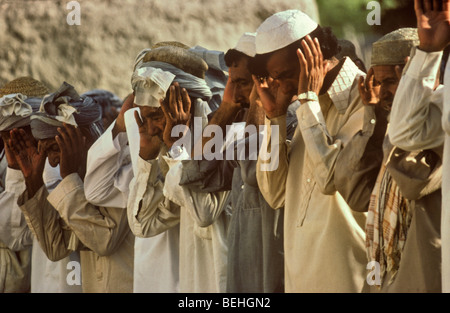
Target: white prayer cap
{"type": "Point", "coordinates": [246, 44]}
{"type": "Point", "coordinates": [282, 29]}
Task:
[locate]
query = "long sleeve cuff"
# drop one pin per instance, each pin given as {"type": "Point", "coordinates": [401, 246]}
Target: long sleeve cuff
{"type": "Point", "coordinates": [310, 114]}
{"type": "Point", "coordinates": [14, 180]}
{"type": "Point", "coordinates": [424, 64]}
{"type": "Point", "coordinates": [30, 208]}
{"type": "Point", "coordinates": [66, 186]}
{"type": "Point", "coordinates": [109, 145]}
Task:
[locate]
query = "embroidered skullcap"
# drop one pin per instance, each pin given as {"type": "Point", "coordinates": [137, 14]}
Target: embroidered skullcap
{"type": "Point", "coordinates": [282, 29]}
{"type": "Point", "coordinates": [170, 43]}
{"type": "Point", "coordinates": [27, 86]}
{"type": "Point", "coordinates": [181, 58]}
{"type": "Point", "coordinates": [393, 48]}
{"type": "Point", "coordinates": [150, 85]}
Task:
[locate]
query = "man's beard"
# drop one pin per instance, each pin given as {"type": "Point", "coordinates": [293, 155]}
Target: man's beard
{"type": "Point", "coordinates": [387, 104]}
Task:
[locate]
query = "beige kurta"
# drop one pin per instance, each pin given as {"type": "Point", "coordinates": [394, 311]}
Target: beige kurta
{"type": "Point", "coordinates": [15, 238]}
{"type": "Point", "coordinates": [323, 238]}
{"type": "Point", "coordinates": [14, 270]}
{"type": "Point", "coordinates": [102, 235]}
{"type": "Point", "coordinates": [46, 276]}
{"type": "Point", "coordinates": [418, 175]}
{"type": "Point", "coordinates": [415, 124]}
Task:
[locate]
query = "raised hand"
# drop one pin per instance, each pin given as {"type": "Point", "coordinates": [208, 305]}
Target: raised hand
{"type": "Point", "coordinates": [313, 67]}
{"type": "Point", "coordinates": [273, 101]}
{"type": "Point", "coordinates": [433, 24]}
{"type": "Point", "coordinates": [10, 157]}
{"type": "Point", "coordinates": [29, 157]}
{"type": "Point", "coordinates": [119, 126]}
{"type": "Point", "coordinates": [177, 112]}
{"type": "Point", "coordinates": [150, 145]}
{"type": "Point", "coordinates": [73, 151]}
{"type": "Point", "coordinates": [369, 90]}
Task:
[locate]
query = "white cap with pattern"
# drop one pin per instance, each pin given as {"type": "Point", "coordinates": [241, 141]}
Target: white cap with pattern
{"type": "Point", "coordinates": [282, 29]}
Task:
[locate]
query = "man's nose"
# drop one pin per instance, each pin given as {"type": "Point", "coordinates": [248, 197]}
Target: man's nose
{"type": "Point", "coordinates": [154, 127]}
{"type": "Point", "coordinates": [237, 95]}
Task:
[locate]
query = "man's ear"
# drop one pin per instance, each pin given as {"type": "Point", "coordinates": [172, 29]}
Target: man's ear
{"type": "Point", "coordinates": [399, 69]}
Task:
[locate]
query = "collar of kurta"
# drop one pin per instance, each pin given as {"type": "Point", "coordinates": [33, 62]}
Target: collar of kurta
{"type": "Point", "coordinates": [341, 87]}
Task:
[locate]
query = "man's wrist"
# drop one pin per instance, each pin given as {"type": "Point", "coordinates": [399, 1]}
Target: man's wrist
{"type": "Point", "coordinates": [117, 129]}
{"type": "Point", "coordinates": [33, 184]}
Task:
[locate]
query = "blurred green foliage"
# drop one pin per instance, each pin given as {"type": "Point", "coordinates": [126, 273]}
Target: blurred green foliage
{"type": "Point", "coordinates": [344, 14]}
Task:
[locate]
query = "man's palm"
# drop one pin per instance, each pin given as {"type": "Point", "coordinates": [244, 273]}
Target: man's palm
{"type": "Point", "coordinates": [433, 29]}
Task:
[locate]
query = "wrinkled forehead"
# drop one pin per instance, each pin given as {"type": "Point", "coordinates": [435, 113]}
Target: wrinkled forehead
{"type": "Point", "coordinates": [239, 69]}
{"type": "Point", "coordinates": [382, 72]}
{"type": "Point", "coordinates": [147, 111]}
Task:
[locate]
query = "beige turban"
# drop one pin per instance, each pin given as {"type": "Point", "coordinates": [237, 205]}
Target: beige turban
{"type": "Point", "coordinates": [393, 48]}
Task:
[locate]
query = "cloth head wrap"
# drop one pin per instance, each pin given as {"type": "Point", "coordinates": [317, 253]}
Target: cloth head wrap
{"type": "Point", "coordinates": [150, 84]}
{"type": "Point", "coordinates": [195, 86]}
{"type": "Point", "coordinates": [393, 48]}
{"type": "Point", "coordinates": [16, 109]}
{"type": "Point", "coordinates": [66, 106]}
{"type": "Point", "coordinates": [216, 76]}
{"type": "Point", "coordinates": [155, 69]}
{"type": "Point", "coordinates": [105, 98]}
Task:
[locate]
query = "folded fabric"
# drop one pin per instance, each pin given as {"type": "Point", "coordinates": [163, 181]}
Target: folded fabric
{"type": "Point", "coordinates": [150, 85]}
{"type": "Point", "coordinates": [16, 109]}
{"type": "Point", "coordinates": [195, 86]}
{"type": "Point", "coordinates": [66, 106]}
